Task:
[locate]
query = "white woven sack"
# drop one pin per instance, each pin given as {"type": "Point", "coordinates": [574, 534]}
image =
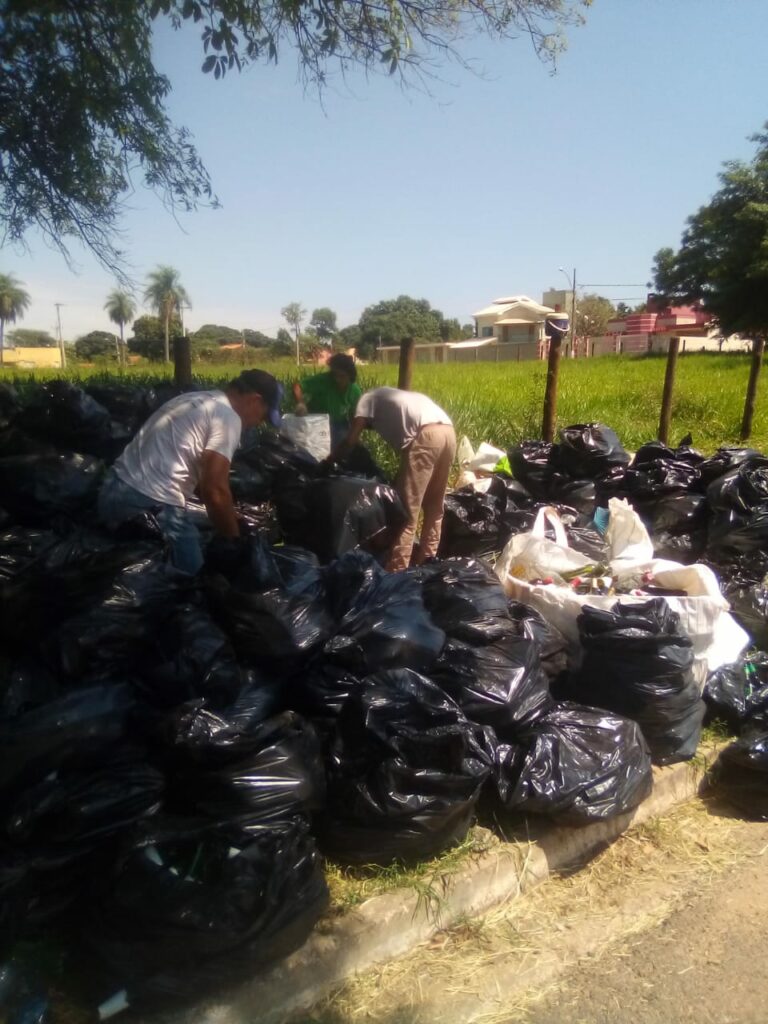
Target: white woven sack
{"type": "Point", "coordinates": [717, 638]}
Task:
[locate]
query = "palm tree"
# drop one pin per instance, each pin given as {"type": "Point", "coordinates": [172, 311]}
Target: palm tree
{"type": "Point", "coordinates": [166, 294]}
{"type": "Point", "coordinates": [13, 303]}
{"type": "Point", "coordinates": [294, 314]}
{"type": "Point", "coordinates": [120, 308]}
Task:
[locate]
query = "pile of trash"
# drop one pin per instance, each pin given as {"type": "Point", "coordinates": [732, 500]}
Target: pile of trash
{"type": "Point", "coordinates": [178, 755]}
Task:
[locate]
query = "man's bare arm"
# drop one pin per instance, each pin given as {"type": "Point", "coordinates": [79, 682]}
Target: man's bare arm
{"type": "Point", "coordinates": [216, 494]}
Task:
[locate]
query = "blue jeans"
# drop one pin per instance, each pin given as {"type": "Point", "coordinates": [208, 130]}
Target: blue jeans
{"type": "Point", "coordinates": [119, 502]}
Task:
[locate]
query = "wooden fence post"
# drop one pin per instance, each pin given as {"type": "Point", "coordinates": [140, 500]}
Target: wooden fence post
{"type": "Point", "coordinates": [550, 392]}
{"type": "Point", "coordinates": [669, 390]}
{"type": "Point", "coordinates": [182, 361]}
{"type": "Point", "coordinates": [405, 372]}
{"type": "Point", "coordinates": [758, 348]}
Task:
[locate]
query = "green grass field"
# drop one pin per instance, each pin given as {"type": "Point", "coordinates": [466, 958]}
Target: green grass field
{"type": "Point", "coordinates": [501, 402]}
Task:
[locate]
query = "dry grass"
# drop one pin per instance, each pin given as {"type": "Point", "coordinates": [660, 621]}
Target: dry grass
{"type": "Point", "coordinates": [349, 887]}
{"type": "Point", "coordinates": [630, 887]}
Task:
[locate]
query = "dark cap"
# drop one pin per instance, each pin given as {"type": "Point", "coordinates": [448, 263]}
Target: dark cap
{"type": "Point", "coordinates": [259, 382]}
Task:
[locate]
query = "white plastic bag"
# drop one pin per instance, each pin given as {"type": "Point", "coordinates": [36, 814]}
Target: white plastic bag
{"type": "Point", "coordinates": [465, 453]}
{"type": "Point", "coordinates": [312, 433]}
{"type": "Point", "coordinates": [530, 556]}
{"type": "Point", "coordinates": [486, 458]}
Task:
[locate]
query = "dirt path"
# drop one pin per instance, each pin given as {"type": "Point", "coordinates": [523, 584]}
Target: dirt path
{"type": "Point", "coordinates": [704, 964]}
{"type": "Point", "coordinates": [666, 926]}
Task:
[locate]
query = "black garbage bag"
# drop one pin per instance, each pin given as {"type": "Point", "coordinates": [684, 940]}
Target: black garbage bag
{"type": "Point", "coordinates": [37, 488]}
{"type": "Point", "coordinates": [25, 684]}
{"type": "Point", "coordinates": [385, 625]}
{"type": "Point", "coordinates": [360, 463]}
{"type": "Point", "coordinates": [15, 442]}
{"type": "Point", "coordinates": [576, 765]}
{"type": "Point", "coordinates": [552, 645]}
{"type": "Point", "coordinates": [530, 462]}
{"type": "Point", "coordinates": [191, 657]}
{"type": "Point", "coordinates": [587, 451]}
{"type": "Point", "coordinates": [465, 599]}
{"type": "Point", "coordinates": [24, 998]}
{"type": "Point", "coordinates": [340, 514]}
{"type": "Point", "coordinates": [656, 451]}
{"type": "Point", "coordinates": [111, 637]}
{"type": "Point", "coordinates": [472, 523]}
{"type": "Point", "coordinates": [249, 483]}
{"type": "Point", "coordinates": [9, 405]}
{"type": "Point", "coordinates": [739, 510]}
{"type": "Point", "coordinates": [69, 575]}
{"type": "Point", "coordinates": [577, 493]}
{"type": "Point", "coordinates": [90, 797]}
{"type": "Point", "coordinates": [347, 577]}
{"type": "Point", "coordinates": [64, 415]}
{"type": "Point", "coordinates": [680, 513]}
{"type": "Point", "coordinates": [638, 663]}
{"type": "Point", "coordinates": [187, 913]}
{"type": "Point", "coordinates": [38, 742]}
{"type": "Point", "coordinates": [252, 564]}
{"type": "Point", "coordinates": [723, 461]}
{"type": "Point", "coordinates": [584, 538]}
{"type": "Point", "coordinates": [260, 518]}
{"type": "Point", "coordinates": [228, 769]}
{"type": "Point", "coordinates": [744, 583]}
{"type": "Point", "coordinates": [13, 874]}
{"type": "Point", "coordinates": [513, 492]}
{"type": "Point", "coordinates": [741, 775]}
{"type": "Point", "coordinates": [501, 684]}
{"type": "Point", "coordinates": [662, 477]}
{"type": "Point", "coordinates": [321, 691]}
{"type": "Point", "coordinates": [20, 548]}
{"type": "Point", "coordinates": [677, 524]}
{"type": "Point", "coordinates": [270, 453]}
{"type": "Point", "coordinates": [128, 404]}
{"type": "Point", "coordinates": [404, 775]}
{"type": "Point", "coordinates": [271, 603]}
{"type": "Point", "coordinates": [738, 693]}
{"type": "Point", "coordinates": [685, 548]}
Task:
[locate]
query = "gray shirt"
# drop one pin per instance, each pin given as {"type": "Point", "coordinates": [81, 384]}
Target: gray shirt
{"type": "Point", "coordinates": [399, 415]}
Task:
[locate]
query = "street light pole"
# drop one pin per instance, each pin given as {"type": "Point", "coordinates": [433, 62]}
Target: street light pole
{"type": "Point", "coordinates": [572, 283]}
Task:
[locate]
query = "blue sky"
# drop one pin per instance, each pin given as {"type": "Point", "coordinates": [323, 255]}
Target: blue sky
{"type": "Point", "coordinates": [483, 188]}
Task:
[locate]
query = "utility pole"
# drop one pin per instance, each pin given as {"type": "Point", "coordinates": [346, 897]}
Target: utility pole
{"type": "Point", "coordinates": [62, 351]}
{"type": "Point", "coordinates": [572, 282]}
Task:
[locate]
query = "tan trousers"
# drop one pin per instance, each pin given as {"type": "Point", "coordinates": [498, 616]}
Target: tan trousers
{"type": "Point", "coordinates": [422, 481]}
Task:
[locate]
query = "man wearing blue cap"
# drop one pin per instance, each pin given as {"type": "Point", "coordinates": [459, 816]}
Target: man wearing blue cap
{"type": "Point", "coordinates": [183, 448]}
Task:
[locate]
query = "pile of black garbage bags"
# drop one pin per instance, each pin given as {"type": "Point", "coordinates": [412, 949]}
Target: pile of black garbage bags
{"type": "Point", "coordinates": [696, 509]}
{"type": "Point", "coordinates": [178, 756]}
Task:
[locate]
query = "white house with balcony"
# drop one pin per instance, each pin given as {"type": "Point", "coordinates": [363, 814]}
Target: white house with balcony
{"type": "Point", "coordinates": [510, 329]}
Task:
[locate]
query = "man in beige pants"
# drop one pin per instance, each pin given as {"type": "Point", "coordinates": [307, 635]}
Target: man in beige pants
{"type": "Point", "coordinates": [423, 434]}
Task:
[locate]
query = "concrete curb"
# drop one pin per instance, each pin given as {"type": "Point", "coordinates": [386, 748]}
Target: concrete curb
{"type": "Point", "coordinates": [390, 925]}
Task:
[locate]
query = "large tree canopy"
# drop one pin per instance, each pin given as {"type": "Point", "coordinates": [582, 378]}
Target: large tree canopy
{"type": "Point", "coordinates": [82, 106]}
{"type": "Point", "coordinates": [388, 322]}
{"type": "Point", "coordinates": [723, 255]}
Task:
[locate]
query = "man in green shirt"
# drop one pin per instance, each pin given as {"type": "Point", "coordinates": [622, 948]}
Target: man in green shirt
{"type": "Point", "coordinates": [334, 392]}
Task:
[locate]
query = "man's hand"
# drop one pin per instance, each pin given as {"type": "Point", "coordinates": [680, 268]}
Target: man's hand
{"type": "Point", "coordinates": [359, 423]}
{"type": "Point", "coordinates": [216, 495]}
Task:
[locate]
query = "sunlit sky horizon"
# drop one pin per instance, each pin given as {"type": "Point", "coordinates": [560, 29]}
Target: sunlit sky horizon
{"type": "Point", "coordinates": [482, 187]}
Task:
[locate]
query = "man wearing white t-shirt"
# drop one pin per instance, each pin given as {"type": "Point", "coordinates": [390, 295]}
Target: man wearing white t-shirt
{"type": "Point", "coordinates": [183, 448]}
{"type": "Point", "coordinates": [423, 434]}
